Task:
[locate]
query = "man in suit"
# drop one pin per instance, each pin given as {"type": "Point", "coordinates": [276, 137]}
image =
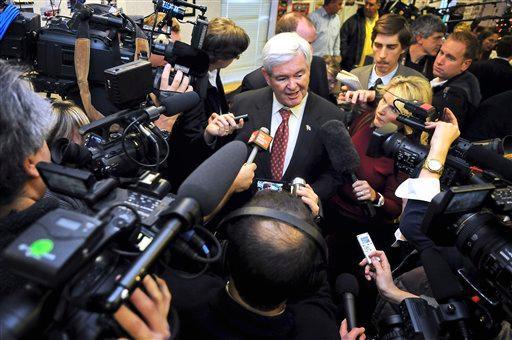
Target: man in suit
{"type": "Point", "coordinates": [294, 117]}
{"type": "Point", "coordinates": [495, 75]}
{"type": "Point", "coordinates": [302, 25]}
{"type": "Point", "coordinates": [391, 37]}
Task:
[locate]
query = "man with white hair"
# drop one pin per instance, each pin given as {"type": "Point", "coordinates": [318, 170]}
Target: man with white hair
{"type": "Point", "coordinates": [294, 117]}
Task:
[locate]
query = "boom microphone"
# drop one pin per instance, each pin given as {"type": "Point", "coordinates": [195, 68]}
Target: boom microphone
{"type": "Point", "coordinates": [488, 160]}
{"type": "Point", "coordinates": [343, 156]}
{"type": "Point", "coordinates": [201, 192]}
{"type": "Point", "coordinates": [179, 102]}
{"type": "Point", "coordinates": [260, 139]}
{"type": "Point", "coordinates": [348, 288]}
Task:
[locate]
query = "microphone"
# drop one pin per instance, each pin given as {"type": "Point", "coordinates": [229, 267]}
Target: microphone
{"type": "Point", "coordinates": [260, 139]}
{"type": "Point", "coordinates": [343, 156]}
{"type": "Point", "coordinates": [199, 194]}
{"type": "Point", "coordinates": [347, 289]}
{"type": "Point", "coordinates": [178, 102]}
{"type": "Point", "coordinates": [489, 160]}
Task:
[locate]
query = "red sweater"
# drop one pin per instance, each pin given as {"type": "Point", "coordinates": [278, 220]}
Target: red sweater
{"type": "Point", "coordinates": [380, 174]}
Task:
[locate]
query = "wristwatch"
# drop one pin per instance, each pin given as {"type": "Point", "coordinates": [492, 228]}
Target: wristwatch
{"type": "Point", "coordinates": [380, 202]}
{"type": "Point", "coordinates": [434, 166]}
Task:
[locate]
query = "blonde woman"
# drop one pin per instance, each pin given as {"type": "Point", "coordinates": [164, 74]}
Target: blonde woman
{"type": "Point", "coordinates": [378, 177]}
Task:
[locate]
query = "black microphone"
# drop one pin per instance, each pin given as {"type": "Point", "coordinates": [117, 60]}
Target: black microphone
{"type": "Point", "coordinates": [178, 102]}
{"type": "Point", "coordinates": [347, 289]}
{"type": "Point", "coordinates": [343, 156]}
{"type": "Point", "coordinates": [199, 194]}
{"type": "Point", "coordinates": [489, 160]}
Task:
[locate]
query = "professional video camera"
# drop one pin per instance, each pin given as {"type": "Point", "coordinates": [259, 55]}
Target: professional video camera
{"type": "Point", "coordinates": [73, 259]}
{"type": "Point", "coordinates": [475, 219]}
{"type": "Point", "coordinates": [50, 50]}
{"type": "Point", "coordinates": [409, 154]}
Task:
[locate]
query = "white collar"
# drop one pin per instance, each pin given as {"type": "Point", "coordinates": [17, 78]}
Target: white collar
{"type": "Point", "coordinates": [296, 110]}
{"type": "Point", "coordinates": [437, 82]}
{"type": "Point", "coordinates": [385, 79]}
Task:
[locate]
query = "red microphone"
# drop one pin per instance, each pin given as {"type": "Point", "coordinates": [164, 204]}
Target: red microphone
{"type": "Point", "coordinates": [260, 139]}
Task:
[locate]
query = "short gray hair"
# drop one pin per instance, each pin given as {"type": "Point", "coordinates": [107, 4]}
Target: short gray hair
{"type": "Point", "coordinates": [25, 120]}
{"type": "Point", "coordinates": [282, 48]}
{"type": "Point", "coordinates": [426, 25]}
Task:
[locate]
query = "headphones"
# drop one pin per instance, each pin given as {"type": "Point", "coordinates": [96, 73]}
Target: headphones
{"type": "Point", "coordinates": [308, 229]}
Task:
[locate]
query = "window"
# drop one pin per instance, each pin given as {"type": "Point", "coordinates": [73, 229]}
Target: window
{"type": "Point", "coordinates": [253, 16]}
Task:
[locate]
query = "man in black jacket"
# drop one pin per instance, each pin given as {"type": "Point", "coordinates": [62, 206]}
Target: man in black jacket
{"type": "Point", "coordinates": [353, 34]}
{"type": "Point", "coordinates": [302, 25]}
{"type": "Point", "coordinates": [495, 75]}
{"type": "Point", "coordinates": [454, 86]}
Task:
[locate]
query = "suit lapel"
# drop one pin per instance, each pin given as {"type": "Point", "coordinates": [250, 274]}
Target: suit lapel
{"type": "Point", "coordinates": [366, 75]}
{"type": "Point", "coordinates": [262, 116]}
{"type": "Point", "coordinates": [304, 139]}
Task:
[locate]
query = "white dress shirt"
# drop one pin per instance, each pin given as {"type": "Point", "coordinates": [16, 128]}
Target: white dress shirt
{"type": "Point", "coordinates": [385, 79]}
{"type": "Point", "coordinates": [328, 33]}
{"type": "Point", "coordinates": [293, 125]}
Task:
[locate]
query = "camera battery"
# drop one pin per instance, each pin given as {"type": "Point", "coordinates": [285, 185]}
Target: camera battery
{"type": "Point", "coordinates": [53, 248]}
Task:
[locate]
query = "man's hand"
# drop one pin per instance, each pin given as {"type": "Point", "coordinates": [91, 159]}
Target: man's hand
{"type": "Point", "coordinates": [221, 125]}
{"type": "Point", "coordinates": [180, 83]}
{"type": "Point", "coordinates": [153, 308]}
{"type": "Point", "coordinates": [363, 191]}
{"type": "Point", "coordinates": [358, 97]}
{"type": "Point", "coordinates": [309, 197]}
{"type": "Point", "coordinates": [244, 178]}
{"type": "Point", "coordinates": [380, 271]}
{"type": "Point", "coordinates": [355, 333]}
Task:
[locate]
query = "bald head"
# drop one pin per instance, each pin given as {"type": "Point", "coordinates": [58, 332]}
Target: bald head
{"type": "Point", "coordinates": [297, 22]}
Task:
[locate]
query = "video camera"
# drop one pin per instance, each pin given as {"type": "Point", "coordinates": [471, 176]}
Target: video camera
{"type": "Point", "coordinates": [82, 267]}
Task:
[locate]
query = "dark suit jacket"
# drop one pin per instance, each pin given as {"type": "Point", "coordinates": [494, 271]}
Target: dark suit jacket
{"type": "Point", "coordinates": [317, 81]}
{"type": "Point", "coordinates": [310, 159]}
{"type": "Point", "coordinates": [494, 76]}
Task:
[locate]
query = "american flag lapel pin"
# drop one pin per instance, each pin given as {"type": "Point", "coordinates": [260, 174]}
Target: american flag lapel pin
{"type": "Point", "coordinates": [308, 128]}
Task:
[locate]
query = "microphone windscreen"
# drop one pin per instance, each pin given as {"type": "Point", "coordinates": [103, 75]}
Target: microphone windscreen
{"type": "Point", "coordinates": [443, 282]}
{"type": "Point", "coordinates": [211, 180]}
{"type": "Point", "coordinates": [347, 283]}
{"type": "Point", "coordinates": [489, 160]}
{"type": "Point", "coordinates": [337, 141]}
{"type": "Point", "coordinates": [178, 102]}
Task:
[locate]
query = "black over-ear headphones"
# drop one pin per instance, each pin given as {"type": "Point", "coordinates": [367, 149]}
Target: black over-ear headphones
{"type": "Point", "coordinates": [307, 228]}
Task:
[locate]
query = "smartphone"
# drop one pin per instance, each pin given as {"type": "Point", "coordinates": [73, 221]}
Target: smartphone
{"type": "Point", "coordinates": [366, 243]}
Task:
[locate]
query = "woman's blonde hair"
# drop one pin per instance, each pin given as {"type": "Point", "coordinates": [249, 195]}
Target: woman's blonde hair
{"type": "Point", "coordinates": [68, 118]}
{"type": "Point", "coordinates": [408, 88]}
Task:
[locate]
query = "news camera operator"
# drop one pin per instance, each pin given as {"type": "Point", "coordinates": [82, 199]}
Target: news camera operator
{"type": "Point", "coordinates": [377, 179]}
{"type": "Point", "coordinates": [224, 42]}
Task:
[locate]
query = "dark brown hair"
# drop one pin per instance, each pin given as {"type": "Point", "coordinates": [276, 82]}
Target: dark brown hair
{"type": "Point", "coordinates": [391, 24]}
{"type": "Point", "coordinates": [225, 40]}
{"type": "Point", "coordinates": [469, 40]}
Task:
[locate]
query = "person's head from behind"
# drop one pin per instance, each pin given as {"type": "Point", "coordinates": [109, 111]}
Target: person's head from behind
{"type": "Point", "coordinates": [371, 8]}
{"type": "Point", "coordinates": [333, 6]}
{"type": "Point", "coordinates": [391, 36]}
{"type": "Point", "coordinates": [25, 120]}
{"type": "Point", "coordinates": [488, 39]}
{"type": "Point", "coordinates": [286, 66]}
{"type": "Point", "coordinates": [270, 260]}
{"type": "Point", "coordinates": [504, 47]}
{"type": "Point", "coordinates": [408, 88]}
{"type": "Point", "coordinates": [299, 23]}
{"type": "Point", "coordinates": [68, 119]}
{"type": "Point", "coordinates": [224, 42]}
{"type": "Point", "coordinates": [428, 31]}
{"type": "Point", "coordinates": [456, 55]}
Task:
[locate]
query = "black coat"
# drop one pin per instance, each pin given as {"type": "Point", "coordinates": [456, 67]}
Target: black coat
{"type": "Point", "coordinates": [310, 159]}
{"type": "Point", "coordinates": [494, 75]}
{"type": "Point", "coordinates": [492, 119]}
{"type": "Point", "coordinates": [352, 37]}
{"type": "Point", "coordinates": [317, 80]}
{"type": "Point", "coordinates": [461, 94]}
